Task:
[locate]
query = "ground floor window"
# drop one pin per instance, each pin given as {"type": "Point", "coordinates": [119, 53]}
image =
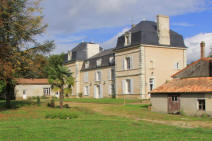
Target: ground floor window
{"type": "Point", "coordinates": [174, 98]}
{"type": "Point", "coordinates": [86, 90]}
{"type": "Point", "coordinates": [201, 103]}
{"type": "Point", "coordinates": [127, 86]}
{"type": "Point", "coordinates": [46, 91]}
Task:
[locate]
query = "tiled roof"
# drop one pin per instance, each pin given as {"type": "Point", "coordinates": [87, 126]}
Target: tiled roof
{"type": "Point", "coordinates": [32, 81]}
{"type": "Point", "coordinates": [145, 32]}
{"type": "Point", "coordinates": [186, 85]}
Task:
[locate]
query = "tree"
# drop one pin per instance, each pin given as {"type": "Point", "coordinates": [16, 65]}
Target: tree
{"type": "Point", "coordinates": [20, 24]}
{"type": "Point", "coordinates": [60, 77]}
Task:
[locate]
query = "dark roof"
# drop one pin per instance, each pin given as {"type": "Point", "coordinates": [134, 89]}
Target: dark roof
{"type": "Point", "coordinates": [186, 85]}
{"type": "Point", "coordinates": [104, 55]}
{"type": "Point", "coordinates": [199, 68]}
{"type": "Point", "coordinates": [145, 32]}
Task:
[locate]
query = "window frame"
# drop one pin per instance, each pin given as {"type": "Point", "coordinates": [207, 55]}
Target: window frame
{"type": "Point", "coordinates": [202, 106]}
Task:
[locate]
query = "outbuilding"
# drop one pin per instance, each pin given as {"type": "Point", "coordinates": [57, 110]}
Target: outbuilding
{"type": "Point", "coordinates": [189, 92]}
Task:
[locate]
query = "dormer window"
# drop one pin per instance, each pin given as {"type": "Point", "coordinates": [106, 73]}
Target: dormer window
{"type": "Point", "coordinates": [111, 59]}
{"type": "Point", "coordinates": [127, 39]}
{"type": "Point", "coordinates": [87, 64]}
{"type": "Point", "coordinates": [98, 62]}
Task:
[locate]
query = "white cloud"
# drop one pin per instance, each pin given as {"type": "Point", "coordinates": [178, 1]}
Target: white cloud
{"type": "Point", "coordinates": [111, 43]}
{"type": "Point", "coordinates": [193, 44]}
{"type": "Point", "coordinates": [75, 15]}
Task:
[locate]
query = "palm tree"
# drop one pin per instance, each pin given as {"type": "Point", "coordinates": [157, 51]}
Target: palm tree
{"type": "Point", "coordinates": [61, 80]}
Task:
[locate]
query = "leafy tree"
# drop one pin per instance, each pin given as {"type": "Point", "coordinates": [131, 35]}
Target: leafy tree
{"type": "Point", "coordinates": [60, 77]}
{"type": "Point", "coordinates": [20, 25]}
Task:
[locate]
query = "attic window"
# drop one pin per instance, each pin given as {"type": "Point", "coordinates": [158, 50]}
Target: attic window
{"type": "Point", "coordinates": [98, 62]}
{"type": "Point", "coordinates": [111, 59]}
{"type": "Point", "coordinates": [127, 39]}
{"type": "Point", "coordinates": [87, 64]}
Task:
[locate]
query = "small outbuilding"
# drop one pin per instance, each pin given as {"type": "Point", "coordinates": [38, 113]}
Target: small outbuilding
{"type": "Point", "coordinates": [26, 88]}
{"type": "Point", "coordinates": [189, 92]}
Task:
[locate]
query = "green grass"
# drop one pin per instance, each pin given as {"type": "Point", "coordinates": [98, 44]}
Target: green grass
{"type": "Point", "coordinates": [28, 123]}
{"type": "Point", "coordinates": [102, 101]}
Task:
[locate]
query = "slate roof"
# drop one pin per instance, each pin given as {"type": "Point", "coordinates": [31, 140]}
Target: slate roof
{"type": "Point", "coordinates": [32, 81]}
{"type": "Point", "coordinates": [199, 68]}
{"type": "Point", "coordinates": [104, 55]}
{"type": "Point", "coordinates": [145, 32]}
{"type": "Point", "coordinates": [186, 85]}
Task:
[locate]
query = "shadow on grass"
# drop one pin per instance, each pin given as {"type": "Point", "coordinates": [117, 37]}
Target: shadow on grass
{"type": "Point", "coordinates": [15, 104]}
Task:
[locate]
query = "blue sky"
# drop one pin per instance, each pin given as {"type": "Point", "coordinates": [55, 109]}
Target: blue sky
{"type": "Point", "coordinates": [73, 21]}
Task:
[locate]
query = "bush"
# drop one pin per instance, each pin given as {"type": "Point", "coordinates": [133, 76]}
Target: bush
{"type": "Point", "coordinates": [61, 115]}
{"type": "Point", "coordinates": [51, 103]}
{"type": "Point", "coordinates": [38, 100]}
{"type": "Point", "coordinates": [80, 95]}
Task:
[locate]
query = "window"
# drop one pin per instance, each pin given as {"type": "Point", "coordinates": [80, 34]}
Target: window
{"type": "Point", "coordinates": [151, 84]}
{"type": "Point", "coordinates": [86, 77]}
{"type": "Point", "coordinates": [86, 90]}
{"type": "Point", "coordinates": [98, 76]}
{"type": "Point", "coordinates": [111, 60]}
{"type": "Point", "coordinates": [201, 104]}
{"type": "Point", "coordinates": [127, 39]}
{"type": "Point", "coordinates": [127, 63]}
{"type": "Point", "coordinates": [128, 86]}
{"type": "Point", "coordinates": [46, 91]}
{"type": "Point", "coordinates": [24, 92]}
{"type": "Point", "coordinates": [174, 98]}
{"type": "Point", "coordinates": [111, 74]}
{"type": "Point", "coordinates": [87, 64]}
{"type": "Point", "coordinates": [98, 62]}
{"type": "Point", "coordinates": [177, 65]}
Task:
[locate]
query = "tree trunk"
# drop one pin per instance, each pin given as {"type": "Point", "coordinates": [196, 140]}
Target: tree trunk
{"type": "Point", "coordinates": [61, 98]}
{"type": "Point", "coordinates": [8, 95]}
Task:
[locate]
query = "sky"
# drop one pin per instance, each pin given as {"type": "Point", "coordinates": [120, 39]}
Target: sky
{"type": "Point", "coordinates": [102, 21]}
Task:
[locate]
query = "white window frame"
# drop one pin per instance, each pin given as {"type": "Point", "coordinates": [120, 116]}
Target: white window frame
{"type": "Point", "coordinates": [111, 59]}
{"type": "Point", "coordinates": [127, 39]}
{"type": "Point", "coordinates": [86, 91]}
{"type": "Point", "coordinates": [87, 64]}
{"type": "Point", "coordinates": [86, 77]}
{"type": "Point", "coordinates": [125, 86]}
{"type": "Point", "coordinates": [46, 91]}
{"type": "Point", "coordinates": [127, 66]}
{"type": "Point", "coordinates": [151, 81]}
{"type": "Point", "coordinates": [97, 76]}
{"type": "Point", "coordinates": [177, 66]}
{"type": "Point", "coordinates": [98, 62]}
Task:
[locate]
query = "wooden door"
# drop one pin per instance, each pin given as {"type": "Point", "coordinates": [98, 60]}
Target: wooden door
{"type": "Point", "coordinates": [174, 104]}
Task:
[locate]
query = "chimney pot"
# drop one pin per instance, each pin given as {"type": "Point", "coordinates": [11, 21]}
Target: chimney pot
{"type": "Point", "coordinates": [202, 45]}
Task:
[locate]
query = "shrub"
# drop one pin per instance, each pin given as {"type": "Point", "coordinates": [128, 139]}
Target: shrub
{"type": "Point", "coordinates": [51, 103]}
{"type": "Point", "coordinates": [80, 95]}
{"type": "Point", "coordinates": [61, 115]}
{"type": "Point", "coordinates": [38, 100]}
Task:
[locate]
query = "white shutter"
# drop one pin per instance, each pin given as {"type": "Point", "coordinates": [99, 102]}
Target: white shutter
{"type": "Point", "coordinates": [94, 91]}
{"type": "Point", "coordinates": [109, 89]}
{"type": "Point", "coordinates": [131, 62]}
{"type": "Point", "coordinates": [100, 76]}
{"type": "Point", "coordinates": [131, 86]}
{"type": "Point", "coordinates": [88, 90]}
{"type": "Point", "coordinates": [109, 75]}
{"type": "Point", "coordinates": [101, 92]}
{"type": "Point", "coordinates": [123, 87]}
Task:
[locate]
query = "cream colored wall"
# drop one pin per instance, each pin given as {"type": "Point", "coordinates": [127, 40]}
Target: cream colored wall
{"type": "Point", "coordinates": [164, 62]}
{"type": "Point", "coordinates": [31, 90]}
{"type": "Point", "coordinates": [133, 74]}
{"type": "Point", "coordinates": [75, 68]}
{"type": "Point", "coordinates": [92, 49]}
{"type": "Point", "coordinates": [163, 29]}
{"type": "Point", "coordinates": [105, 82]}
{"type": "Point", "coordinates": [159, 103]}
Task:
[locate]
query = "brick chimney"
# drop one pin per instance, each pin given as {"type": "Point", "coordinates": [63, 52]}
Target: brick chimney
{"type": "Point", "coordinates": [202, 45]}
{"type": "Point", "coordinates": [163, 29]}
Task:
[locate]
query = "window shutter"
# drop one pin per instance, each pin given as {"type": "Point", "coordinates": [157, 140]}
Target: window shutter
{"type": "Point", "coordinates": [131, 86]}
{"type": "Point", "coordinates": [109, 89]}
{"type": "Point", "coordinates": [109, 75]}
{"type": "Point", "coordinates": [123, 87]}
{"type": "Point", "coordinates": [101, 91]}
{"type": "Point", "coordinates": [95, 91]}
{"type": "Point", "coordinates": [131, 62]}
{"type": "Point", "coordinates": [88, 90]}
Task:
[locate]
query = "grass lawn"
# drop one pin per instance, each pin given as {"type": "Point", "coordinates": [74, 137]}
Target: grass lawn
{"type": "Point", "coordinates": [29, 123]}
{"type": "Point", "coordinates": [103, 100]}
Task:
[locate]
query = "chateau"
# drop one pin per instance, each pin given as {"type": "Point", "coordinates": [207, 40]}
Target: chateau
{"type": "Point", "coordinates": [144, 58]}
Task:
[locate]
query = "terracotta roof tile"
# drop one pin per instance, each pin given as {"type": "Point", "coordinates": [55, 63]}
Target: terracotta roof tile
{"type": "Point", "coordinates": [32, 81]}
{"type": "Point", "coordinates": [186, 85]}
